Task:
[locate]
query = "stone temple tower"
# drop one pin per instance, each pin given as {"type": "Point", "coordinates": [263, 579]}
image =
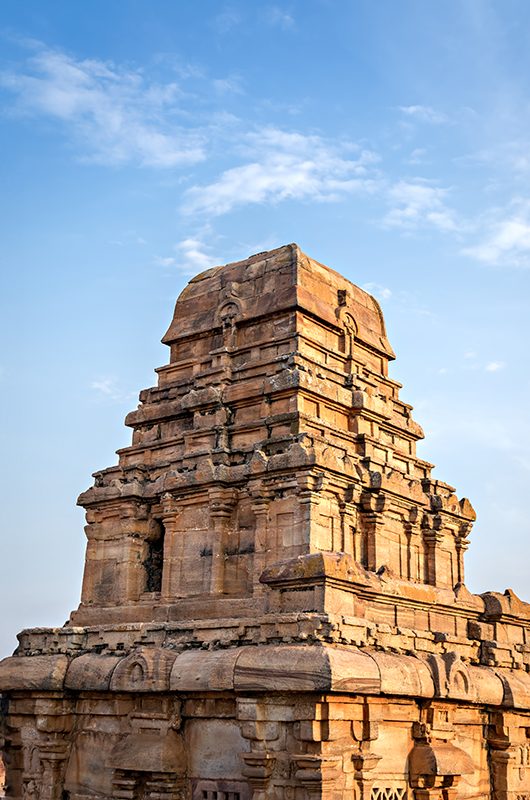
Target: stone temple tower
{"type": "Point", "coordinates": [273, 604]}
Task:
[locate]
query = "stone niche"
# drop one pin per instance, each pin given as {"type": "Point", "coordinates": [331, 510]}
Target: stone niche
{"type": "Point", "coordinates": [273, 603]}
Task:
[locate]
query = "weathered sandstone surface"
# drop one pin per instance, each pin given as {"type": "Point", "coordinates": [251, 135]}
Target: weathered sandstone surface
{"type": "Point", "coordinates": [273, 603]}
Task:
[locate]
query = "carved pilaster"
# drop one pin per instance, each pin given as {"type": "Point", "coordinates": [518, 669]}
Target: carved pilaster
{"type": "Point", "coordinates": [173, 546]}
{"type": "Point", "coordinates": [500, 757]}
{"type": "Point", "coordinates": [257, 769]}
{"type": "Point", "coordinates": [53, 721]}
{"type": "Point", "coordinates": [222, 502]}
{"type": "Point", "coordinates": [262, 546]}
{"type": "Point", "coordinates": [432, 538]}
{"type": "Point", "coordinates": [363, 764]}
{"type": "Point", "coordinates": [365, 731]}
{"type": "Point", "coordinates": [309, 490]}
{"type": "Point", "coordinates": [53, 756]}
{"type": "Point", "coordinates": [257, 727]}
{"type": "Point", "coordinates": [373, 503]}
{"type": "Point", "coordinates": [12, 752]}
{"type": "Point", "coordinates": [350, 539]}
{"type": "Point", "coordinates": [461, 544]}
{"type": "Point", "coordinates": [122, 526]}
{"type": "Point", "coordinates": [435, 764]}
{"type": "Point", "coordinates": [372, 527]}
{"type": "Point", "coordinates": [316, 774]}
{"type": "Point", "coordinates": [414, 558]}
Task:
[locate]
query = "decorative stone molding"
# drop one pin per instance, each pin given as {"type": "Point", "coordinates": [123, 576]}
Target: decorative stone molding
{"type": "Point", "coordinates": [257, 770]}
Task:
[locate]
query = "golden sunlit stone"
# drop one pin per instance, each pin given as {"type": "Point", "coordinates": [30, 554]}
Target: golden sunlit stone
{"type": "Point", "coordinates": [273, 603]}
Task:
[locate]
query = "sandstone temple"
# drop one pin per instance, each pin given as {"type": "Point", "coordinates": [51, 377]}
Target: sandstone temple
{"type": "Point", "coordinates": [273, 603]}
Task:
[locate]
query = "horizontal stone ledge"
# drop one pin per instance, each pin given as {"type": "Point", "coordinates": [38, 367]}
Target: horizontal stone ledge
{"type": "Point", "coordinates": [271, 668]}
{"type": "Point", "coordinates": [28, 673]}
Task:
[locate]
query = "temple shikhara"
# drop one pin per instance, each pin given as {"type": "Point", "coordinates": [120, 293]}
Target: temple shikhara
{"type": "Point", "coordinates": [274, 604]}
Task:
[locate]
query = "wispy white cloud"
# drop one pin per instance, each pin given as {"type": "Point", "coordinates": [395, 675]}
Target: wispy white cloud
{"type": "Point", "coordinates": [194, 255]}
{"type": "Point", "coordinates": [424, 114]}
{"type": "Point", "coordinates": [417, 156]}
{"type": "Point", "coordinates": [506, 241]}
{"type": "Point", "coordinates": [494, 366]}
{"type": "Point", "coordinates": [478, 428]}
{"type": "Point", "coordinates": [231, 85]}
{"type": "Point", "coordinates": [191, 255]}
{"type": "Point", "coordinates": [108, 388]}
{"type": "Point", "coordinates": [282, 107]}
{"type": "Point", "coordinates": [165, 261]}
{"type": "Point", "coordinates": [283, 166]}
{"type": "Point", "coordinates": [416, 204]}
{"type": "Point", "coordinates": [115, 114]}
{"type": "Point", "coordinates": [508, 157]}
{"type": "Point", "coordinates": [127, 239]}
{"type": "Point", "coordinates": [378, 291]}
{"type": "Point", "coordinates": [524, 462]}
{"type": "Point", "coordinates": [279, 17]}
{"type": "Point", "coordinates": [472, 362]}
{"type": "Point", "coordinates": [228, 19]}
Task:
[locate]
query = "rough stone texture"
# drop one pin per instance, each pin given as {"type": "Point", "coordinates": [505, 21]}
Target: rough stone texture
{"type": "Point", "coordinates": [273, 603]}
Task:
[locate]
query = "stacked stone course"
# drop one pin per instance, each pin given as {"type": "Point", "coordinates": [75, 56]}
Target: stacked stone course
{"type": "Point", "coordinates": [273, 602]}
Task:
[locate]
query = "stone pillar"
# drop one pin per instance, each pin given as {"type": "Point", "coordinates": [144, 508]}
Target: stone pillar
{"type": "Point", "coordinates": [12, 752]}
{"type": "Point", "coordinates": [309, 500]}
{"type": "Point", "coordinates": [433, 774]}
{"type": "Point", "coordinates": [222, 502]}
{"type": "Point", "coordinates": [53, 721]}
{"type": "Point", "coordinates": [364, 731]}
{"type": "Point", "coordinates": [461, 546]}
{"type": "Point", "coordinates": [363, 764]}
{"type": "Point", "coordinates": [53, 756]}
{"type": "Point", "coordinates": [114, 572]}
{"type": "Point", "coordinates": [173, 547]}
{"type": "Point", "coordinates": [373, 505]}
{"type": "Point", "coordinates": [260, 724]}
{"type": "Point", "coordinates": [409, 529]}
{"type": "Point", "coordinates": [257, 770]}
{"type": "Point", "coordinates": [500, 756]}
{"type": "Point", "coordinates": [316, 774]}
{"type": "Point", "coordinates": [349, 533]}
{"type": "Point", "coordinates": [262, 545]}
{"type": "Point", "coordinates": [373, 525]}
{"type": "Point", "coordinates": [432, 538]}
{"type": "Point", "coordinates": [414, 556]}
{"type": "Point", "coordinates": [499, 766]}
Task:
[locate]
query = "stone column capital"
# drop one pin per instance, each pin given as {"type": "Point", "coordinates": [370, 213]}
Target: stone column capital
{"type": "Point", "coordinates": [258, 768]}
{"type": "Point", "coordinates": [312, 770]}
{"type": "Point", "coordinates": [222, 501]}
{"type": "Point", "coordinates": [170, 505]}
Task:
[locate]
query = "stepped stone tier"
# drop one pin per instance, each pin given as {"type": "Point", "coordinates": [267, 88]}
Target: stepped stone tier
{"type": "Point", "coordinates": [273, 603]}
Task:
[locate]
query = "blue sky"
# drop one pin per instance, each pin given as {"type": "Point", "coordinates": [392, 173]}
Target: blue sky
{"type": "Point", "coordinates": [143, 142]}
